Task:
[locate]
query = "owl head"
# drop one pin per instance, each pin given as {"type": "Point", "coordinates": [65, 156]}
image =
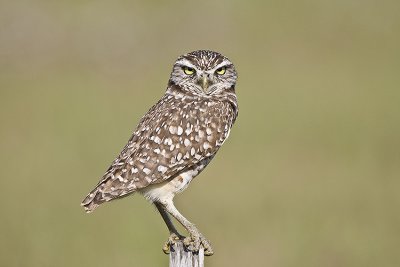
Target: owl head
{"type": "Point", "coordinates": [203, 73]}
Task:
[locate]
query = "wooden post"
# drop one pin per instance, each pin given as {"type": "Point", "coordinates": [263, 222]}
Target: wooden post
{"type": "Point", "coordinates": [179, 257]}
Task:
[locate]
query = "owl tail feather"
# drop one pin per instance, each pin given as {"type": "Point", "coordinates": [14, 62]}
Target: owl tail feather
{"type": "Point", "coordinates": [92, 201]}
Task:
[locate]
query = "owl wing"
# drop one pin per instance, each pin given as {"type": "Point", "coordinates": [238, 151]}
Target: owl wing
{"type": "Point", "coordinates": [171, 137]}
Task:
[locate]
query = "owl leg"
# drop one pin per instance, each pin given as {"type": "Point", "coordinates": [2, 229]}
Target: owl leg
{"type": "Point", "coordinates": [174, 234]}
{"type": "Point", "coordinates": [196, 239]}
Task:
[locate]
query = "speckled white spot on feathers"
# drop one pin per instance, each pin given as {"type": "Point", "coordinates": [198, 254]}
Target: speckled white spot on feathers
{"type": "Point", "coordinates": [162, 169]}
{"type": "Point", "coordinates": [172, 129]}
{"type": "Point", "coordinates": [157, 140]}
{"type": "Point", "coordinates": [146, 171]}
{"type": "Point", "coordinates": [187, 142]}
{"type": "Point", "coordinates": [206, 145]}
{"type": "Point", "coordinates": [180, 130]}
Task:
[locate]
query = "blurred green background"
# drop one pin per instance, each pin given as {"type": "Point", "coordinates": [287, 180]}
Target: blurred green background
{"type": "Point", "coordinates": [309, 176]}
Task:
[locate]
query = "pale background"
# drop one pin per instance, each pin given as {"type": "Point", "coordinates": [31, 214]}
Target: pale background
{"type": "Point", "coordinates": [309, 177]}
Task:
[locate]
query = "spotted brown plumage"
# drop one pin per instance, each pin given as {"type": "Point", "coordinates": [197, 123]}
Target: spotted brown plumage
{"type": "Point", "coordinates": [175, 140]}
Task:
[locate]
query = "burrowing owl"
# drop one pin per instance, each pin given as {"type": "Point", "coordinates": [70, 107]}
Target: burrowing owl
{"type": "Point", "coordinates": [175, 141]}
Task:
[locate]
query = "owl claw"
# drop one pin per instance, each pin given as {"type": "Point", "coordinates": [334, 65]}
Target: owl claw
{"type": "Point", "coordinates": [168, 246]}
{"type": "Point", "coordinates": [195, 241]}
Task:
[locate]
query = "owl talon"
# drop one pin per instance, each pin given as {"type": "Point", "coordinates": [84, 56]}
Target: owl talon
{"type": "Point", "coordinates": [195, 242]}
{"type": "Point", "coordinates": [168, 246]}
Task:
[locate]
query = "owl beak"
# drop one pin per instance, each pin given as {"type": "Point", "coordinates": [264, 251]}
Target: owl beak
{"type": "Point", "coordinates": [204, 83]}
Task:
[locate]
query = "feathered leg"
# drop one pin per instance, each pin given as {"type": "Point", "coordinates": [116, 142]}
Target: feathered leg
{"type": "Point", "coordinates": [174, 234]}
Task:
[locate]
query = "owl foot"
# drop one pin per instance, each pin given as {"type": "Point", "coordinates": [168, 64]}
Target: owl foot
{"type": "Point", "coordinates": [172, 239]}
{"type": "Point", "coordinates": [195, 241]}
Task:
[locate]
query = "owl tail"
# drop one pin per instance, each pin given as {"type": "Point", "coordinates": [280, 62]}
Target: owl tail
{"type": "Point", "coordinates": [92, 201]}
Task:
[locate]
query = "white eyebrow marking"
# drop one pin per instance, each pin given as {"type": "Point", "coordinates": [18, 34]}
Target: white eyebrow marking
{"type": "Point", "coordinates": [220, 65]}
{"type": "Point", "coordinates": [187, 63]}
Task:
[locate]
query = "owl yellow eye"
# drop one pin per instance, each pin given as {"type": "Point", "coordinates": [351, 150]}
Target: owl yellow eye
{"type": "Point", "coordinates": [221, 71]}
{"type": "Point", "coordinates": [188, 70]}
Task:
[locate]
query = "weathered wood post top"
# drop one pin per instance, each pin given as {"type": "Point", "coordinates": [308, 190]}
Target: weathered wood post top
{"type": "Point", "coordinates": [180, 257]}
